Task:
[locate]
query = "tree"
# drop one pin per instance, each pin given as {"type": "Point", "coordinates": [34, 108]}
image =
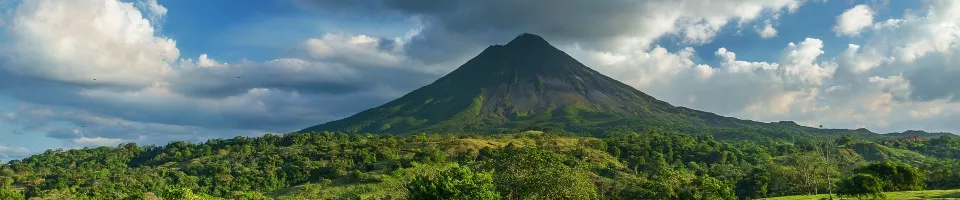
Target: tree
{"type": "Point", "coordinates": [532, 173]}
{"type": "Point", "coordinates": [895, 176]}
{"type": "Point", "coordinates": [754, 186]}
{"type": "Point", "coordinates": [455, 183]}
{"type": "Point", "coordinates": [844, 140]}
{"type": "Point", "coordinates": [10, 194]}
{"type": "Point", "coordinates": [827, 151]}
{"type": "Point", "coordinates": [808, 167]}
{"type": "Point", "coordinates": [861, 186]}
{"type": "Point", "coordinates": [706, 187]}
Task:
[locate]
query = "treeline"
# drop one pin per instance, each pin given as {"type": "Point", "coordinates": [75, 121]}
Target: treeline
{"type": "Point", "coordinates": [653, 164]}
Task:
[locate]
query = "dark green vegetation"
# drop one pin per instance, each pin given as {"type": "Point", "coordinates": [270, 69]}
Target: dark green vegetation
{"type": "Point", "coordinates": [653, 164]}
{"type": "Point", "coordinates": [521, 121]}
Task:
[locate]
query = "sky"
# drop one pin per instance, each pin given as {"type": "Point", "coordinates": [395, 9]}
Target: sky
{"type": "Point", "coordinates": [88, 73]}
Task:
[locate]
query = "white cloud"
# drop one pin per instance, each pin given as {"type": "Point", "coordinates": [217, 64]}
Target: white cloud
{"type": "Point", "coordinates": [922, 45]}
{"type": "Point", "coordinates": [799, 64]}
{"type": "Point", "coordinates": [767, 32]}
{"type": "Point", "coordinates": [936, 32]}
{"type": "Point", "coordinates": [854, 20]}
{"type": "Point", "coordinates": [155, 11]}
{"type": "Point", "coordinates": [801, 86]}
{"type": "Point", "coordinates": [79, 41]}
{"type": "Point", "coordinates": [735, 87]}
{"type": "Point", "coordinates": [862, 62]}
{"type": "Point", "coordinates": [659, 64]}
{"type": "Point", "coordinates": [730, 63]}
{"type": "Point", "coordinates": [97, 141]}
{"type": "Point", "coordinates": [205, 61]}
{"type": "Point", "coordinates": [358, 49]}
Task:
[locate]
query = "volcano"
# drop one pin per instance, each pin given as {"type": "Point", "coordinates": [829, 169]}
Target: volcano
{"type": "Point", "coordinates": [526, 84]}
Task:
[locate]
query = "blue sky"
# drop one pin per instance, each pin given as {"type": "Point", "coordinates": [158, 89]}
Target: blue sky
{"type": "Point", "coordinates": [85, 73]}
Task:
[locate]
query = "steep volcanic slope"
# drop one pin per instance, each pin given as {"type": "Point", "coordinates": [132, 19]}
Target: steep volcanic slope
{"type": "Point", "coordinates": [525, 83]}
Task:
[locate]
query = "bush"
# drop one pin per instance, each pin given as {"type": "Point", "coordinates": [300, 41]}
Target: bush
{"type": "Point", "coordinates": [454, 183]}
{"type": "Point", "coordinates": [861, 186]}
{"type": "Point", "coordinates": [895, 176]}
{"type": "Point", "coordinates": [10, 194]}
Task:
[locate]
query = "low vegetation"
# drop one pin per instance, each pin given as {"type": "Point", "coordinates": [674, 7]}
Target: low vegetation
{"type": "Point", "coordinates": [906, 195]}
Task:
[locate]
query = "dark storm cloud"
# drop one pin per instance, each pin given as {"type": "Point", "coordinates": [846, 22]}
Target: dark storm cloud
{"type": "Point", "coordinates": [308, 78]}
{"type": "Point", "coordinates": [454, 27]}
{"type": "Point", "coordinates": [935, 79]}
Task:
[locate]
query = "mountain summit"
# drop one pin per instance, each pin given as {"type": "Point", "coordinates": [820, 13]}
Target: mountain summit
{"type": "Point", "coordinates": [524, 84]}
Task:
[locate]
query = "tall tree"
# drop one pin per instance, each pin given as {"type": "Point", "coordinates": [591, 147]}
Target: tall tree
{"type": "Point", "coordinates": [456, 183]}
{"type": "Point", "coordinates": [861, 186]}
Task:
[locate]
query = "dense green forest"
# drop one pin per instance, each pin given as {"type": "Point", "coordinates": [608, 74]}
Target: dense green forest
{"type": "Point", "coordinates": [651, 164]}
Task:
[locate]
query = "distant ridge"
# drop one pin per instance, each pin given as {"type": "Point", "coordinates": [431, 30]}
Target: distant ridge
{"type": "Point", "coordinates": [530, 84]}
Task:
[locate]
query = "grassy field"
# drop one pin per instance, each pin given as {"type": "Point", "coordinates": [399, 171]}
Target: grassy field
{"type": "Point", "coordinates": [926, 194]}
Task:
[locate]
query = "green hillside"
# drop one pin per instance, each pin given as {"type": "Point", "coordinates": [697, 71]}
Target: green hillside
{"type": "Point", "coordinates": [655, 164]}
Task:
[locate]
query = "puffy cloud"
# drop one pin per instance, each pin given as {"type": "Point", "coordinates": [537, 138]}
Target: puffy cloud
{"type": "Point", "coordinates": [75, 42]}
{"type": "Point", "coordinates": [922, 45]}
{"type": "Point", "coordinates": [858, 61]}
{"type": "Point", "coordinates": [799, 64]}
{"type": "Point", "coordinates": [854, 20]}
{"type": "Point", "coordinates": [730, 63]}
{"type": "Point", "coordinates": [734, 87]}
{"type": "Point", "coordinates": [359, 49]}
{"type": "Point", "coordinates": [767, 31]}
{"type": "Point", "coordinates": [914, 36]}
{"type": "Point", "coordinates": [804, 85]}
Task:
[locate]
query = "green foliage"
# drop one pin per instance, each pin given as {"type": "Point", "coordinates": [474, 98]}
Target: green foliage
{"type": "Point", "coordinates": [755, 185]}
{"type": "Point", "coordinates": [844, 140]}
{"type": "Point", "coordinates": [652, 164]}
{"type": "Point", "coordinates": [10, 194]}
{"type": "Point", "coordinates": [532, 173]}
{"type": "Point", "coordinates": [942, 147]}
{"type": "Point", "coordinates": [861, 186]}
{"type": "Point", "coordinates": [895, 176]}
{"type": "Point", "coordinates": [249, 195]}
{"type": "Point", "coordinates": [457, 183]}
{"type": "Point", "coordinates": [942, 174]}
{"type": "Point", "coordinates": [705, 187]}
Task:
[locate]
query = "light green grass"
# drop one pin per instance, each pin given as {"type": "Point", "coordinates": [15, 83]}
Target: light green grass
{"type": "Point", "coordinates": [926, 194]}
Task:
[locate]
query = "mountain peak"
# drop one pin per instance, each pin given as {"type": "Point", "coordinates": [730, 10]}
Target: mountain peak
{"type": "Point", "coordinates": [525, 83]}
{"type": "Point", "coordinates": [527, 39]}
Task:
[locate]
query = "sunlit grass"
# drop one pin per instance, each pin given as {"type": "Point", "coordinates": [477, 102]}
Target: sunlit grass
{"type": "Point", "coordinates": [925, 194]}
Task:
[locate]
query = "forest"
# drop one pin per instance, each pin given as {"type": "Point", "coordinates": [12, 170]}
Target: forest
{"type": "Point", "coordinates": [649, 164]}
